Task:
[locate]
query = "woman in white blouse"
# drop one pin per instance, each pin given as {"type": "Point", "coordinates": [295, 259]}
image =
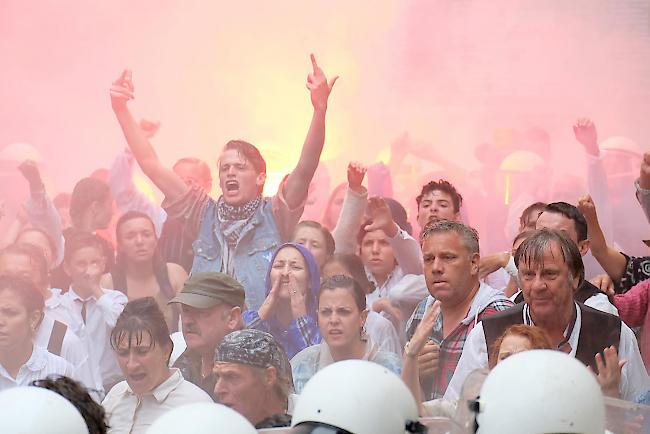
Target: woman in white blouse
{"type": "Point", "coordinates": [143, 347]}
{"type": "Point", "coordinates": [341, 318]}
{"type": "Point", "coordinates": [21, 312]}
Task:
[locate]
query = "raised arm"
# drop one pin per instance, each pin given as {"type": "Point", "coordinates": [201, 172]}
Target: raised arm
{"type": "Point", "coordinates": [297, 183]}
{"type": "Point", "coordinates": [41, 212]}
{"type": "Point", "coordinates": [643, 186]}
{"type": "Point", "coordinates": [585, 133]}
{"type": "Point", "coordinates": [165, 179]}
{"type": "Point", "coordinates": [354, 205]}
{"type": "Point", "coordinates": [612, 261]}
{"type": "Point", "coordinates": [120, 178]}
{"type": "Point", "coordinates": [406, 250]}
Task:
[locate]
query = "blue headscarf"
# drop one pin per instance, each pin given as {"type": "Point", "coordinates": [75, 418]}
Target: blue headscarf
{"type": "Point", "coordinates": [314, 276]}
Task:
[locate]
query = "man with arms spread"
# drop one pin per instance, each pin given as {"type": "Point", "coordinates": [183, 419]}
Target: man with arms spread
{"type": "Point", "coordinates": [550, 271]}
{"type": "Point", "coordinates": [237, 233]}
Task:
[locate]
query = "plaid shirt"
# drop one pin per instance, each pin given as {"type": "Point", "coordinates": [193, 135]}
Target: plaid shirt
{"type": "Point", "coordinates": [451, 347]}
{"type": "Point", "coordinates": [301, 333]}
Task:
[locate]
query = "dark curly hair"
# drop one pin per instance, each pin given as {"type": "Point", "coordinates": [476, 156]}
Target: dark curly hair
{"type": "Point", "coordinates": [93, 413]}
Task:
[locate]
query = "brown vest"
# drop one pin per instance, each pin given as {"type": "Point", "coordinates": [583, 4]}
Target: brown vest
{"type": "Point", "coordinates": [598, 330]}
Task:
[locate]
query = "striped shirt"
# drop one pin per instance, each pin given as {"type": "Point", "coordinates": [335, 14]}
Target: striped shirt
{"type": "Point", "coordinates": [40, 365]}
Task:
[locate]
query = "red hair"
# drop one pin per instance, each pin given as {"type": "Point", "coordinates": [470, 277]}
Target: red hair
{"type": "Point", "coordinates": [537, 337]}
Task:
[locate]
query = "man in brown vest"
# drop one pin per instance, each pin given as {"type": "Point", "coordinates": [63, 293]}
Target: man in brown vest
{"type": "Point", "coordinates": [550, 270]}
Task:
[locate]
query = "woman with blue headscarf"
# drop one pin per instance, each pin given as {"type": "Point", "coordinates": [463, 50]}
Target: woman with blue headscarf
{"type": "Point", "coordinates": [289, 310]}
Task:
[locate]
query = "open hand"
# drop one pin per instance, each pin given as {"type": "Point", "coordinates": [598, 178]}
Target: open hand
{"type": "Point", "coordinates": [381, 217]}
{"type": "Point", "coordinates": [267, 310]}
{"type": "Point", "coordinates": [356, 173]}
{"type": "Point", "coordinates": [318, 86]}
{"type": "Point", "coordinates": [585, 132]}
{"type": "Point", "coordinates": [298, 298]}
{"type": "Point", "coordinates": [609, 372]}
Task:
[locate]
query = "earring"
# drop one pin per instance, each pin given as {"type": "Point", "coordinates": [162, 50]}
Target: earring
{"type": "Point", "coordinates": [363, 335]}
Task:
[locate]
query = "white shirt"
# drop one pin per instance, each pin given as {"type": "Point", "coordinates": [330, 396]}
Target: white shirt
{"type": "Point", "coordinates": [409, 260]}
{"type": "Point", "coordinates": [101, 316]}
{"type": "Point", "coordinates": [634, 377]}
{"type": "Point", "coordinates": [383, 333]}
{"type": "Point", "coordinates": [40, 365]}
{"type": "Point", "coordinates": [599, 302]}
{"type": "Point", "coordinates": [129, 413]}
{"type": "Point", "coordinates": [72, 348]}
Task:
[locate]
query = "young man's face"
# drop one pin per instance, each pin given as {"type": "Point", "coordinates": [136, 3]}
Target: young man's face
{"type": "Point", "coordinates": [559, 222]}
{"type": "Point", "coordinates": [436, 205]}
{"type": "Point", "coordinates": [238, 179]}
{"type": "Point", "coordinates": [377, 254]}
{"type": "Point", "coordinates": [85, 267]}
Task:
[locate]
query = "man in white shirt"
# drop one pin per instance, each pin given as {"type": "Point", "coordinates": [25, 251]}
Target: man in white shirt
{"type": "Point", "coordinates": [550, 270]}
{"type": "Point", "coordinates": [94, 309]}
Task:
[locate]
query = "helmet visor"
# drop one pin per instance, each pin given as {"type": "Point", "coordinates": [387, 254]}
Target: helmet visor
{"type": "Point", "coordinates": [317, 428]}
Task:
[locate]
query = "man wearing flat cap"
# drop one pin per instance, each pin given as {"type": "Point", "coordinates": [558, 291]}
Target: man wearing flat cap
{"type": "Point", "coordinates": [253, 377]}
{"type": "Point", "coordinates": [211, 307]}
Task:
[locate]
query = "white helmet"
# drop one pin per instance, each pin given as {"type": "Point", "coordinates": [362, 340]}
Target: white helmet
{"type": "Point", "coordinates": [34, 410]}
{"type": "Point", "coordinates": [621, 144]}
{"type": "Point", "coordinates": [359, 397]}
{"type": "Point", "coordinates": [521, 161]}
{"type": "Point", "coordinates": [540, 391]}
{"type": "Point", "coordinates": [19, 152]}
{"type": "Point", "coordinates": [202, 418]}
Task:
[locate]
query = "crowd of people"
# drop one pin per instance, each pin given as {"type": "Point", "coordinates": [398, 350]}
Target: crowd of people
{"type": "Point", "coordinates": [145, 323]}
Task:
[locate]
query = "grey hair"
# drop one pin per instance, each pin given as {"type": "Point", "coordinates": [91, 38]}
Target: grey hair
{"type": "Point", "coordinates": [467, 233]}
{"type": "Point", "coordinates": [284, 386]}
{"type": "Point", "coordinates": [532, 250]}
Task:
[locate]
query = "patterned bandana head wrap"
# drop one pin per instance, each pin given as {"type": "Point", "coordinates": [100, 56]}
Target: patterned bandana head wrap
{"type": "Point", "coordinates": [255, 348]}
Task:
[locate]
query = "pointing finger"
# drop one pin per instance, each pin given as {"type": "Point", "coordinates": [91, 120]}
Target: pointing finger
{"type": "Point", "coordinates": [314, 65]}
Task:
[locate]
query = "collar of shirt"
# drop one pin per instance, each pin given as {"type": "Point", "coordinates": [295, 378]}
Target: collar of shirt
{"type": "Point", "coordinates": [575, 333]}
{"type": "Point", "coordinates": [393, 276]}
{"type": "Point", "coordinates": [161, 392]}
{"type": "Point", "coordinates": [35, 363]}
{"type": "Point", "coordinates": [74, 296]}
{"type": "Point", "coordinates": [54, 300]}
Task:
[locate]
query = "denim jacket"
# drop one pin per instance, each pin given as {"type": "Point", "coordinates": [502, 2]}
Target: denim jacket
{"type": "Point", "coordinates": [252, 254]}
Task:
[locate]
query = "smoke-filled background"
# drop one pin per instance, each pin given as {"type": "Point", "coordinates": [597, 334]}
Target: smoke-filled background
{"type": "Point", "coordinates": [453, 74]}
